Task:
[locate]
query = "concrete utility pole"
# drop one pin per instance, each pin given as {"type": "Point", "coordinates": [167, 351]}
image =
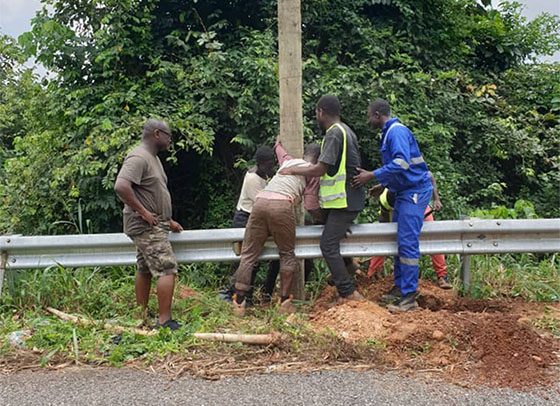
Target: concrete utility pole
{"type": "Point", "coordinates": [291, 111]}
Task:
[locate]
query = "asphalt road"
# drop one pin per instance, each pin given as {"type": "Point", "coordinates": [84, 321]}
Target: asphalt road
{"type": "Point", "coordinates": [102, 386]}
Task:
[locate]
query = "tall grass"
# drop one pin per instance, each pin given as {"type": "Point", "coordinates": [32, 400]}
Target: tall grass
{"type": "Point", "coordinates": [527, 276]}
{"type": "Point", "coordinates": [108, 294]}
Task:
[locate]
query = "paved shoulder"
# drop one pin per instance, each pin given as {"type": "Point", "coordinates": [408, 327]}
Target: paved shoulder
{"type": "Point", "coordinates": [102, 386]}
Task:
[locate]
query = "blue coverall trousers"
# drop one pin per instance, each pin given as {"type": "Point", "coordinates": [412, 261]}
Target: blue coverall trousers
{"type": "Point", "coordinates": [409, 216]}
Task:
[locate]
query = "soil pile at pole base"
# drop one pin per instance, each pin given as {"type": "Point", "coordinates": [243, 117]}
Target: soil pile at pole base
{"type": "Point", "coordinates": [469, 342]}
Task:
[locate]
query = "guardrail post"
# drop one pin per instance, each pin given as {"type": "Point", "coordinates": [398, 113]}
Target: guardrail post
{"type": "Point", "coordinates": [3, 262]}
{"type": "Point", "coordinates": [466, 273]}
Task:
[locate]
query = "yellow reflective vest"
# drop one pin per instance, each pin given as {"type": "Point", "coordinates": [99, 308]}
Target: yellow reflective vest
{"type": "Point", "coordinates": [383, 199]}
{"type": "Point", "coordinates": [332, 190]}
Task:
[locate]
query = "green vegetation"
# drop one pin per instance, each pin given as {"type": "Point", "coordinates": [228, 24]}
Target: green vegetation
{"type": "Point", "coordinates": [548, 322]}
{"type": "Point", "coordinates": [527, 276]}
{"type": "Point", "coordinates": [108, 295]}
{"type": "Point", "coordinates": [460, 74]}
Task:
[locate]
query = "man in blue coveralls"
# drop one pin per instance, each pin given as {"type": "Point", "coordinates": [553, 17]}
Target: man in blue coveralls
{"type": "Point", "coordinates": [404, 173]}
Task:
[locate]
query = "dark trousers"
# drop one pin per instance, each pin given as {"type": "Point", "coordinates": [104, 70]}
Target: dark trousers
{"type": "Point", "coordinates": [336, 224]}
{"type": "Point", "coordinates": [240, 219]}
{"type": "Point", "coordinates": [274, 269]}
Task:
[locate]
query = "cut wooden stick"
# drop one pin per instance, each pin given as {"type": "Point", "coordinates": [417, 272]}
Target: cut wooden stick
{"type": "Point", "coordinates": [253, 339]}
{"type": "Point", "coordinates": [107, 326]}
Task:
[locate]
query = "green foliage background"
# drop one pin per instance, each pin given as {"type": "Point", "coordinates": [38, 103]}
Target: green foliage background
{"type": "Point", "coordinates": [458, 72]}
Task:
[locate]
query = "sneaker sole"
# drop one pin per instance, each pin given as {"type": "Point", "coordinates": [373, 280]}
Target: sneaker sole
{"type": "Point", "coordinates": [387, 302]}
{"type": "Point", "coordinates": [396, 309]}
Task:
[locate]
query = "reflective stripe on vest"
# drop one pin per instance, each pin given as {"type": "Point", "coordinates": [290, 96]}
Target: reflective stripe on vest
{"type": "Point", "coordinates": [331, 182]}
{"type": "Point", "coordinates": [332, 189]}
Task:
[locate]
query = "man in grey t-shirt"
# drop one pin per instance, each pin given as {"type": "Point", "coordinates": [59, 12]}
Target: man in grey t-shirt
{"type": "Point", "coordinates": [142, 185]}
{"type": "Point", "coordinates": [338, 219]}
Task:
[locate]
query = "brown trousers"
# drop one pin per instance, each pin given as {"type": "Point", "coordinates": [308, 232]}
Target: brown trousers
{"type": "Point", "coordinates": [274, 218]}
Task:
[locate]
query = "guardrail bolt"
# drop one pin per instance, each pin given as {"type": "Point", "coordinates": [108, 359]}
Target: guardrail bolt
{"type": "Point", "coordinates": [469, 244]}
{"type": "Point", "coordinates": [499, 223]}
{"type": "Point", "coordinates": [471, 224]}
{"type": "Point", "coordinates": [8, 240]}
{"type": "Point", "coordinates": [495, 244]}
{"type": "Point", "coordinates": [13, 260]}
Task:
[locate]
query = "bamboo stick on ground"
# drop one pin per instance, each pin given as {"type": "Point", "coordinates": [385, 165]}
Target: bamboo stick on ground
{"type": "Point", "coordinates": [107, 326]}
{"type": "Point", "coordinates": [254, 339]}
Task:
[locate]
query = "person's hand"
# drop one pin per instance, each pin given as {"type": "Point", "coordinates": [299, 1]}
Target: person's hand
{"type": "Point", "coordinates": [286, 171]}
{"type": "Point", "coordinates": [376, 190]}
{"type": "Point", "coordinates": [175, 227]}
{"type": "Point", "coordinates": [149, 218]}
{"type": "Point", "coordinates": [437, 205]}
{"type": "Point", "coordinates": [237, 247]}
{"type": "Point", "coordinates": [362, 177]}
{"type": "Point", "coordinates": [318, 216]}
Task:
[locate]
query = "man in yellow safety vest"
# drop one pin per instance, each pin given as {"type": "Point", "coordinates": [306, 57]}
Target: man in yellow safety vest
{"type": "Point", "coordinates": [341, 202]}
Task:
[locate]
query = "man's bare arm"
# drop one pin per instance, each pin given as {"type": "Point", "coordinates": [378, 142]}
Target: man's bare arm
{"type": "Point", "coordinates": [435, 194]}
{"type": "Point", "coordinates": [319, 169]}
{"type": "Point", "coordinates": [123, 189]}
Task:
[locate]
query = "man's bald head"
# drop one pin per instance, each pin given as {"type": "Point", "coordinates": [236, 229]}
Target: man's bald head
{"type": "Point", "coordinates": [153, 124]}
{"type": "Point", "coordinates": [158, 133]}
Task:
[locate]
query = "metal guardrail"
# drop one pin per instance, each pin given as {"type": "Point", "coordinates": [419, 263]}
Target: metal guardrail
{"type": "Point", "coordinates": [466, 237]}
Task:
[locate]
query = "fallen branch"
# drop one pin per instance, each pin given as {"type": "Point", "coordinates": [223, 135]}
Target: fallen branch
{"type": "Point", "coordinates": [253, 339]}
{"type": "Point", "coordinates": [234, 371]}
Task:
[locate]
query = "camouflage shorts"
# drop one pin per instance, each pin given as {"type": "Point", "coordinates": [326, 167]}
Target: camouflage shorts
{"type": "Point", "coordinates": [154, 253]}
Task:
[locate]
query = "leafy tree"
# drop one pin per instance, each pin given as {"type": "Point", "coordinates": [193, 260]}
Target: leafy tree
{"type": "Point", "coordinates": [455, 71]}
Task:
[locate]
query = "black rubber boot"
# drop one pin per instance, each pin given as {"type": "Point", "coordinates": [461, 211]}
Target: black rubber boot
{"type": "Point", "coordinates": [405, 304]}
{"type": "Point", "coordinates": [391, 297]}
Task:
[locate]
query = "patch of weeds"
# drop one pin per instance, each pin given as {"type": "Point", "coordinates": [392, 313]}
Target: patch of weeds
{"type": "Point", "coordinates": [549, 322]}
{"type": "Point", "coordinates": [317, 280]}
{"type": "Point", "coordinates": [419, 350]}
{"type": "Point", "coordinates": [453, 342]}
{"type": "Point", "coordinates": [531, 277]}
{"type": "Point", "coordinates": [205, 275]}
{"type": "Point", "coordinates": [377, 344]}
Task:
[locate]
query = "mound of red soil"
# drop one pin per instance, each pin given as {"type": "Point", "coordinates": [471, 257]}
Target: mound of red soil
{"type": "Point", "coordinates": [355, 321]}
{"type": "Point", "coordinates": [467, 341]}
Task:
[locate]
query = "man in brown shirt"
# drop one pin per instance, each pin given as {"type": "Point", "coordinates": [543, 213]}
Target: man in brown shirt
{"type": "Point", "coordinates": [142, 186]}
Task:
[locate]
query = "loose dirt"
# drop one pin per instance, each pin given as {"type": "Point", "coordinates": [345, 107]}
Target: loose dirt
{"type": "Point", "coordinates": [469, 342]}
